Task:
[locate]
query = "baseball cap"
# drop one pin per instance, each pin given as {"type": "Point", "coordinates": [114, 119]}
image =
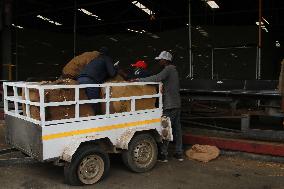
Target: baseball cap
{"type": "Point", "coordinates": [165, 56]}
{"type": "Point", "coordinates": [140, 64]}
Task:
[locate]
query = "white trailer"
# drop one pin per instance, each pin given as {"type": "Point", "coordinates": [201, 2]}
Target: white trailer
{"type": "Point", "coordinates": [82, 144]}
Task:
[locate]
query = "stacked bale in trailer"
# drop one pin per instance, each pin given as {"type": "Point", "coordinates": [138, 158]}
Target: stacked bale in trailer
{"type": "Point", "coordinates": [73, 68]}
{"type": "Point", "coordinates": [72, 71]}
{"type": "Point", "coordinates": [128, 91]}
{"type": "Point", "coordinates": [68, 111]}
{"type": "Point", "coordinates": [58, 95]}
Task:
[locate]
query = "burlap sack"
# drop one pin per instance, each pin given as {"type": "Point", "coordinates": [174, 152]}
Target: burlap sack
{"type": "Point", "coordinates": [203, 153]}
{"type": "Point", "coordinates": [73, 68]}
{"type": "Point", "coordinates": [127, 91]}
{"type": "Point", "coordinates": [58, 95]}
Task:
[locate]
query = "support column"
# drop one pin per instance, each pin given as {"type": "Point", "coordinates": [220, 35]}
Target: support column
{"type": "Point", "coordinates": [258, 66]}
{"type": "Point", "coordinates": [6, 39]}
{"type": "Point", "coordinates": [190, 74]}
{"type": "Point", "coordinates": [75, 29]}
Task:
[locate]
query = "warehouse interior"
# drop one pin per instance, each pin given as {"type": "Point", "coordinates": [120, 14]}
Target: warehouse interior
{"type": "Point", "coordinates": [229, 56]}
{"type": "Point", "coordinates": [227, 36]}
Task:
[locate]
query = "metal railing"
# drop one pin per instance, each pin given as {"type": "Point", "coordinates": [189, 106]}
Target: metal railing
{"type": "Point", "coordinates": [26, 102]}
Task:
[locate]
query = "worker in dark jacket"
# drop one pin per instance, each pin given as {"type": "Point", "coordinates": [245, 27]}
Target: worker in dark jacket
{"type": "Point", "coordinates": [139, 70]}
{"type": "Point", "coordinates": [97, 72]}
{"type": "Point", "coordinates": [171, 102]}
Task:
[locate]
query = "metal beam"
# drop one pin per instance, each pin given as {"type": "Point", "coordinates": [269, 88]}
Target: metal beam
{"type": "Point", "coordinates": [275, 149]}
{"type": "Point", "coordinates": [190, 41]}
{"type": "Point", "coordinates": [259, 46]}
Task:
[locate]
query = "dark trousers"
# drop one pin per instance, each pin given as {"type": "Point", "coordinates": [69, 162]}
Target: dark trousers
{"type": "Point", "coordinates": [92, 93]}
{"type": "Point", "coordinates": [174, 115]}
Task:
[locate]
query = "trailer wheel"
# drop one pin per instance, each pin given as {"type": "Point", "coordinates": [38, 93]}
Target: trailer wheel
{"type": "Point", "coordinates": [141, 155]}
{"type": "Point", "coordinates": [88, 166]}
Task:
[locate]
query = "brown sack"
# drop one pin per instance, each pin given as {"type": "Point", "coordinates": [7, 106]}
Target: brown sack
{"type": "Point", "coordinates": [66, 112]}
{"type": "Point", "coordinates": [73, 68]}
{"type": "Point", "coordinates": [58, 95]}
{"type": "Point", "coordinates": [127, 91]}
{"type": "Point", "coordinates": [203, 153]}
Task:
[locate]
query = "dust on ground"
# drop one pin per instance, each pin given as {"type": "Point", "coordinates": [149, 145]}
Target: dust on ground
{"type": "Point", "coordinates": [222, 173]}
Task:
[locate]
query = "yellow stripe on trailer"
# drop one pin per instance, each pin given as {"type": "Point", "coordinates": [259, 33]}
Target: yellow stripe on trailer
{"type": "Point", "coordinates": [99, 129]}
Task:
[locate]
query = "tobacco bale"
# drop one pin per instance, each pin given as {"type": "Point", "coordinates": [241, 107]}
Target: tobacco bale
{"type": "Point", "coordinates": [73, 68]}
{"type": "Point", "coordinates": [59, 95]}
{"type": "Point", "coordinates": [127, 91]}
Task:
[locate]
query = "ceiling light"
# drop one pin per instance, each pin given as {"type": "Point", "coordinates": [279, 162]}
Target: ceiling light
{"type": "Point", "coordinates": [212, 4]}
{"type": "Point", "coordinates": [277, 44]}
{"type": "Point", "coordinates": [202, 31]}
{"type": "Point", "coordinates": [142, 7]}
{"type": "Point", "coordinates": [257, 23]}
{"type": "Point", "coordinates": [155, 36]}
{"type": "Point", "coordinates": [113, 39]}
{"type": "Point", "coordinates": [265, 29]}
{"type": "Point", "coordinates": [136, 31]}
{"type": "Point", "coordinates": [262, 25]}
{"type": "Point", "coordinates": [49, 20]}
{"type": "Point", "coordinates": [89, 13]}
{"type": "Point", "coordinates": [265, 20]}
{"type": "Point", "coordinates": [16, 26]}
{"type": "Point", "coordinates": [144, 32]}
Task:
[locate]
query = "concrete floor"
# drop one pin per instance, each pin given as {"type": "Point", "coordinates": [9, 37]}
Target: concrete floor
{"type": "Point", "coordinates": [222, 173]}
{"type": "Point", "coordinates": [225, 172]}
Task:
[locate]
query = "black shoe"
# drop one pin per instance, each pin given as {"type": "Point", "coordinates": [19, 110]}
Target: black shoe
{"type": "Point", "coordinates": [179, 157]}
{"type": "Point", "coordinates": [163, 158]}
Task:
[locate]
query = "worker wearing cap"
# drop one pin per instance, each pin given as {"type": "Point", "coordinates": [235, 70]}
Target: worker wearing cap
{"type": "Point", "coordinates": [97, 72]}
{"type": "Point", "coordinates": [171, 102]}
{"type": "Point", "coordinates": [139, 70]}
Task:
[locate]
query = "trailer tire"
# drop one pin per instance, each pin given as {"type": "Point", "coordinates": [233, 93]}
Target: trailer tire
{"type": "Point", "coordinates": [141, 155]}
{"type": "Point", "coordinates": [88, 166]}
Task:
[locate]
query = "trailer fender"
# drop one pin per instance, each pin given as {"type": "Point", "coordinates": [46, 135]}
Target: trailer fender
{"type": "Point", "coordinates": [72, 147]}
{"type": "Point", "coordinates": [124, 139]}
